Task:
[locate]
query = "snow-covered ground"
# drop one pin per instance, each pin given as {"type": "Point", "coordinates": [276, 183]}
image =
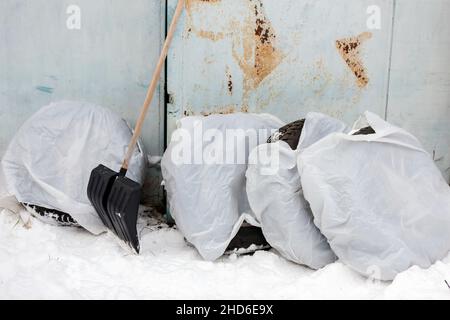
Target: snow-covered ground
{"type": "Point", "coordinates": [48, 262]}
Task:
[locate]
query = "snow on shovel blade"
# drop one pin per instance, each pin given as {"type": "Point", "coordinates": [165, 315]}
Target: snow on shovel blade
{"type": "Point", "coordinates": [116, 200]}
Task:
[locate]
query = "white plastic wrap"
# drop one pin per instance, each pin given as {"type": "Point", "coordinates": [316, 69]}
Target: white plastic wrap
{"type": "Point", "coordinates": [206, 191]}
{"type": "Point", "coordinates": [276, 196]}
{"type": "Point", "coordinates": [49, 161]}
{"type": "Point", "coordinates": [379, 199]}
{"type": "Point", "coordinates": [3, 188]}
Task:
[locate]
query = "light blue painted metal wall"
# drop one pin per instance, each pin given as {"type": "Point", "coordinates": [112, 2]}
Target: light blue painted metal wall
{"type": "Point", "coordinates": [288, 57]}
{"type": "Point", "coordinates": [219, 63]}
{"type": "Point", "coordinates": [419, 95]}
{"type": "Point", "coordinates": [109, 61]}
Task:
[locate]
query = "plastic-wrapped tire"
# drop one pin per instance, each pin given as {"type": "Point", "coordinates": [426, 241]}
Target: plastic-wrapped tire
{"type": "Point", "coordinates": [49, 161]}
{"type": "Point", "coordinates": [276, 197]}
{"type": "Point", "coordinates": [207, 199]}
{"type": "Point", "coordinates": [378, 197]}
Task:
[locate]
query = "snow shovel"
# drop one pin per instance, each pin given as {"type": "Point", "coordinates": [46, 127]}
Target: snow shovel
{"type": "Point", "coordinates": [115, 197]}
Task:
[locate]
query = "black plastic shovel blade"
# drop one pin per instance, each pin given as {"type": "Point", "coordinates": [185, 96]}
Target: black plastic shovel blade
{"type": "Point", "coordinates": [116, 200]}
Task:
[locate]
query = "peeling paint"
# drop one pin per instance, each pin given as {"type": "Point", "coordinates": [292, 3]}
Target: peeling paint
{"type": "Point", "coordinates": [320, 78]}
{"type": "Point", "coordinates": [230, 109]}
{"type": "Point", "coordinates": [220, 110]}
{"type": "Point", "coordinates": [45, 89]}
{"type": "Point", "coordinates": [229, 81]}
{"type": "Point", "coordinates": [350, 50]}
{"type": "Point", "coordinates": [258, 42]}
{"type": "Point", "coordinates": [253, 39]}
{"type": "Point", "coordinates": [191, 8]}
{"type": "Point", "coordinates": [188, 113]}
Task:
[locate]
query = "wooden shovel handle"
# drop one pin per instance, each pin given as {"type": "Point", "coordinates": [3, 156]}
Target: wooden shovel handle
{"type": "Point", "coordinates": [152, 87]}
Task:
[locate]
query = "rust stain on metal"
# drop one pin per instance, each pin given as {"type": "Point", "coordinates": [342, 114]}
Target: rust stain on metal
{"type": "Point", "coordinates": [229, 81]}
{"type": "Point", "coordinates": [225, 110]}
{"type": "Point", "coordinates": [188, 113]}
{"type": "Point", "coordinates": [192, 6]}
{"type": "Point", "coordinates": [210, 35]}
{"type": "Point", "coordinates": [350, 50]}
{"type": "Point", "coordinates": [254, 45]}
{"type": "Point", "coordinates": [258, 42]}
{"type": "Point", "coordinates": [320, 77]}
{"type": "Point", "coordinates": [230, 109]}
{"type": "Point", "coordinates": [220, 110]}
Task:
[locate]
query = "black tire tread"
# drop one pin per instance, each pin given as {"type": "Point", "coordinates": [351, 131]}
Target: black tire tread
{"type": "Point", "coordinates": [290, 134]}
{"type": "Point", "coordinates": [60, 218]}
{"type": "Point", "coordinates": [364, 131]}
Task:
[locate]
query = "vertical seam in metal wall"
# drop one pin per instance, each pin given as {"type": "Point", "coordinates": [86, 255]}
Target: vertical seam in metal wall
{"type": "Point", "coordinates": [394, 6]}
{"type": "Point", "coordinates": [166, 92]}
{"type": "Point", "coordinates": [165, 99]}
{"type": "Point", "coordinates": [182, 105]}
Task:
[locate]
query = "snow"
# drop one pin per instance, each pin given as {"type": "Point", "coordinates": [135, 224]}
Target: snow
{"type": "Point", "coordinates": [49, 262]}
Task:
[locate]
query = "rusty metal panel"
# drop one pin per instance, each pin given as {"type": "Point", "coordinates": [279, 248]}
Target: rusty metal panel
{"type": "Point", "coordinates": [285, 57]}
{"type": "Point", "coordinates": [419, 95]}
